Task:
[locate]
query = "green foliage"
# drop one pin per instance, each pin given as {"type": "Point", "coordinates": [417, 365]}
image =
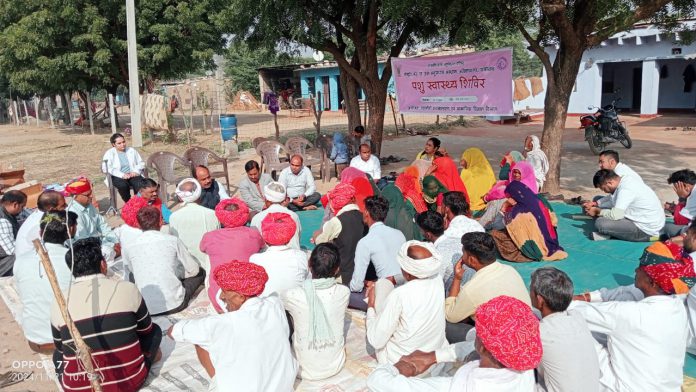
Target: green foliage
{"type": "Point", "coordinates": [53, 45]}
{"type": "Point", "coordinates": [524, 62]}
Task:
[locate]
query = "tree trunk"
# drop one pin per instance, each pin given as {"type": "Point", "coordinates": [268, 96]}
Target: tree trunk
{"type": "Point", "coordinates": [350, 87]}
{"type": "Point", "coordinates": [377, 101]}
{"type": "Point", "coordinates": [560, 86]}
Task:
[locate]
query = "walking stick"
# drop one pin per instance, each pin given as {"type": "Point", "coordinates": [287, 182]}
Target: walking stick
{"type": "Point", "coordinates": [83, 351]}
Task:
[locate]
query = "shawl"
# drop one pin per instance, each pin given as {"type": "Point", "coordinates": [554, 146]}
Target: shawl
{"type": "Point", "coordinates": [411, 190]}
{"type": "Point", "coordinates": [528, 202]}
{"type": "Point", "coordinates": [432, 188]}
{"type": "Point", "coordinates": [320, 334]}
{"type": "Point", "coordinates": [527, 177]}
{"type": "Point", "coordinates": [447, 173]}
{"type": "Point", "coordinates": [478, 177]}
{"type": "Point", "coordinates": [401, 214]}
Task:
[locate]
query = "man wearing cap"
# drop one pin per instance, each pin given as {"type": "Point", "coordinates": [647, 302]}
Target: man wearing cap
{"type": "Point", "coordinates": [299, 185]}
{"type": "Point", "coordinates": [89, 222]}
{"type": "Point", "coordinates": [509, 346]}
{"type": "Point", "coordinates": [275, 196]}
{"type": "Point", "coordinates": [234, 241]}
{"type": "Point", "coordinates": [251, 187]}
{"type": "Point", "coordinates": [250, 343]}
{"type": "Point", "coordinates": [646, 338]}
{"type": "Point", "coordinates": [413, 315]}
{"type": "Point", "coordinates": [211, 190]}
{"type": "Point", "coordinates": [345, 229]}
{"type": "Point", "coordinates": [190, 222]}
{"type": "Point", "coordinates": [286, 267]}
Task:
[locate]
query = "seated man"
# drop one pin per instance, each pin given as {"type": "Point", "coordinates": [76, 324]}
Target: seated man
{"type": "Point", "coordinates": [345, 229]}
{"type": "Point", "coordinates": [32, 282]}
{"type": "Point", "coordinates": [298, 181]}
{"type": "Point", "coordinates": [168, 284]}
{"type": "Point", "coordinates": [457, 222]}
{"type": "Point", "coordinates": [48, 201]}
{"type": "Point", "coordinates": [113, 320]}
{"type": "Point", "coordinates": [11, 205]}
{"type": "Point", "coordinates": [609, 160]}
{"type": "Point", "coordinates": [211, 190]}
{"type": "Point", "coordinates": [286, 267]}
{"type": "Point", "coordinates": [275, 195]}
{"type": "Point", "coordinates": [490, 280]}
{"type": "Point", "coordinates": [412, 317]}
{"type": "Point", "coordinates": [238, 342]}
{"type": "Point", "coordinates": [234, 241]}
{"type": "Point", "coordinates": [562, 332]}
{"type": "Point", "coordinates": [89, 222]}
{"type": "Point", "coordinates": [367, 163]}
{"type": "Point", "coordinates": [251, 187]}
{"type": "Point", "coordinates": [318, 310]}
{"type": "Point", "coordinates": [507, 343]}
{"type": "Point", "coordinates": [633, 213]}
{"type": "Point", "coordinates": [646, 339]}
{"type": "Point", "coordinates": [378, 248]}
{"type": "Point", "coordinates": [432, 227]}
{"type": "Point", "coordinates": [683, 182]}
{"type": "Point", "coordinates": [190, 222]}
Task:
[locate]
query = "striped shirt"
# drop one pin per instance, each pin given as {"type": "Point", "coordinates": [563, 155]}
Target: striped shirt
{"type": "Point", "coordinates": [112, 319]}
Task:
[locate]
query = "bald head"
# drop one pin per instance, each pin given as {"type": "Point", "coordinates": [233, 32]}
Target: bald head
{"type": "Point", "coordinates": [51, 201]}
{"type": "Point", "coordinates": [296, 163]}
{"type": "Point", "coordinates": [418, 252]}
{"type": "Point", "coordinates": [203, 176]}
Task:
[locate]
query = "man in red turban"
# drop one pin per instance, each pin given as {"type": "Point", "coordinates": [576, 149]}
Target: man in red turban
{"type": "Point", "coordinates": [278, 228]}
{"type": "Point", "coordinates": [249, 343]}
{"type": "Point", "coordinates": [129, 212]}
{"type": "Point", "coordinates": [339, 197]}
{"type": "Point", "coordinates": [234, 241]}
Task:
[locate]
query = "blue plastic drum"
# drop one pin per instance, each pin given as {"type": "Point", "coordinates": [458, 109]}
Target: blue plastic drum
{"type": "Point", "coordinates": [228, 126]}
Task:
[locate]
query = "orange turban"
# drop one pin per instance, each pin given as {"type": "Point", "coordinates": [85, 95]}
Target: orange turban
{"type": "Point", "coordinates": [78, 186]}
{"type": "Point", "coordinates": [669, 267]}
{"type": "Point", "coordinates": [278, 228]}
{"type": "Point", "coordinates": [242, 277]}
{"type": "Point", "coordinates": [340, 196]}
{"type": "Point", "coordinates": [236, 218]}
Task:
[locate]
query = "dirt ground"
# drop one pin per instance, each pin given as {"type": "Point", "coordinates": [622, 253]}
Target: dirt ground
{"type": "Point", "coordinates": [56, 155]}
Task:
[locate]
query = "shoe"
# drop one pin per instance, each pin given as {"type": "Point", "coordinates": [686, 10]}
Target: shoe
{"type": "Point", "coordinates": [575, 201]}
{"type": "Point", "coordinates": [599, 237]}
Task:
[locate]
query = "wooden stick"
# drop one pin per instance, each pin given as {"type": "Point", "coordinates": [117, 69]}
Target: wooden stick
{"type": "Point", "coordinates": [396, 125]}
{"type": "Point", "coordinates": [83, 350]}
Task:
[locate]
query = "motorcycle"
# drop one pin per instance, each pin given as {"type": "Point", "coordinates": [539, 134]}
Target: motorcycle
{"type": "Point", "coordinates": [603, 127]}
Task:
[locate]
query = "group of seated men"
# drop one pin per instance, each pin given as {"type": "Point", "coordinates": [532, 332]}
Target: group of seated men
{"type": "Point", "coordinates": [427, 303]}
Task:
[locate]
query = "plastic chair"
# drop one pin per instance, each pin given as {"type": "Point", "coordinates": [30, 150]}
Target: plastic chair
{"type": "Point", "coordinates": [270, 153]}
{"type": "Point", "coordinates": [113, 192]}
{"type": "Point", "coordinates": [258, 140]}
{"type": "Point", "coordinates": [162, 162]}
{"type": "Point", "coordinates": [199, 156]}
{"type": "Point", "coordinates": [298, 145]}
{"type": "Point", "coordinates": [325, 143]}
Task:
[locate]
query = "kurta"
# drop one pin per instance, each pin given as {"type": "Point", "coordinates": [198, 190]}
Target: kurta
{"type": "Point", "coordinates": [189, 224]}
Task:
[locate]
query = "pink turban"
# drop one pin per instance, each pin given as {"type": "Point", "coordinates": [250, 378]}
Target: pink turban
{"type": "Point", "coordinates": [340, 196]}
{"type": "Point", "coordinates": [242, 277]}
{"type": "Point", "coordinates": [278, 228]}
{"type": "Point", "coordinates": [129, 212]}
{"type": "Point", "coordinates": [230, 219]}
{"type": "Point", "coordinates": [510, 332]}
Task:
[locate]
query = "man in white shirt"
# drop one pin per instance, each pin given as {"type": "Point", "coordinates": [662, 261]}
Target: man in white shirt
{"type": "Point", "coordinates": [212, 191]}
{"type": "Point", "coordinates": [413, 315]}
{"type": "Point", "coordinates": [682, 182]}
{"type": "Point", "coordinates": [275, 195]}
{"type": "Point", "coordinates": [378, 248]}
{"type": "Point", "coordinates": [562, 332]}
{"type": "Point", "coordinates": [609, 160]}
{"type": "Point", "coordinates": [190, 222]}
{"type": "Point", "coordinates": [646, 339]}
{"type": "Point", "coordinates": [48, 201]}
{"type": "Point", "coordinates": [163, 269]}
{"type": "Point", "coordinates": [367, 163]}
{"type": "Point", "coordinates": [432, 227]}
{"type": "Point", "coordinates": [252, 185]}
{"type": "Point", "coordinates": [33, 287]}
{"type": "Point", "coordinates": [286, 267]}
{"type": "Point", "coordinates": [457, 223]}
{"type": "Point", "coordinates": [318, 311]}
{"type": "Point", "coordinates": [633, 213]}
{"type": "Point", "coordinates": [246, 349]}
{"type": "Point", "coordinates": [299, 185]}
{"type": "Point", "coordinates": [509, 347]}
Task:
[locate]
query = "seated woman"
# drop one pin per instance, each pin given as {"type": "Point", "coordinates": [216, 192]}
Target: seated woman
{"type": "Point", "coordinates": [495, 198]}
{"type": "Point", "coordinates": [529, 233]}
{"type": "Point", "coordinates": [401, 213]}
{"type": "Point", "coordinates": [339, 153]}
{"type": "Point", "coordinates": [433, 190]}
{"type": "Point", "coordinates": [124, 165]}
{"type": "Point", "coordinates": [445, 170]}
{"type": "Point", "coordinates": [537, 158]}
{"type": "Point", "coordinates": [431, 150]}
{"type": "Point", "coordinates": [477, 176]}
{"type": "Point", "coordinates": [410, 187]}
{"type": "Point", "coordinates": [508, 160]}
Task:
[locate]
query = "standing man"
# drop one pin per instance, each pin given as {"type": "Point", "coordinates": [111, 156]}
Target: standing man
{"type": "Point", "coordinates": [11, 205]}
{"type": "Point", "coordinates": [211, 190]}
{"type": "Point", "coordinates": [49, 201]}
{"type": "Point", "coordinates": [633, 213]}
{"type": "Point", "coordinates": [251, 187]}
{"type": "Point", "coordinates": [299, 185]}
{"type": "Point", "coordinates": [367, 163]}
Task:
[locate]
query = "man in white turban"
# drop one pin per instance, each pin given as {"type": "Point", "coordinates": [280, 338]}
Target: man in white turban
{"type": "Point", "coordinates": [413, 315]}
{"type": "Point", "coordinates": [190, 222]}
{"type": "Point", "coordinates": [275, 194]}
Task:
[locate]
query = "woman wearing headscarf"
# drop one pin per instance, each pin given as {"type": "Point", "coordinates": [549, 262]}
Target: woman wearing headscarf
{"type": "Point", "coordinates": [433, 190]}
{"type": "Point", "coordinates": [537, 158]}
{"type": "Point", "coordinates": [506, 163]}
{"type": "Point", "coordinates": [477, 176]}
{"type": "Point", "coordinates": [401, 213]}
{"type": "Point", "coordinates": [410, 187]}
{"type": "Point", "coordinates": [529, 233]}
{"type": "Point", "coordinates": [339, 152]}
{"type": "Point", "coordinates": [445, 170]}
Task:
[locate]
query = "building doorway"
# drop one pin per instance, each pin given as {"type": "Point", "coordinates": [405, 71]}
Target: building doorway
{"type": "Point", "coordinates": [636, 88]}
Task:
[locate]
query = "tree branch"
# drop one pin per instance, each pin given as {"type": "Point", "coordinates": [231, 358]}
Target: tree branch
{"type": "Point", "coordinates": [555, 10]}
{"type": "Point", "coordinates": [342, 62]}
{"type": "Point", "coordinates": [616, 24]}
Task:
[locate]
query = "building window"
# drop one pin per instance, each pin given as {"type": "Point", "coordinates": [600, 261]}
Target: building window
{"type": "Point", "coordinates": [664, 72]}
